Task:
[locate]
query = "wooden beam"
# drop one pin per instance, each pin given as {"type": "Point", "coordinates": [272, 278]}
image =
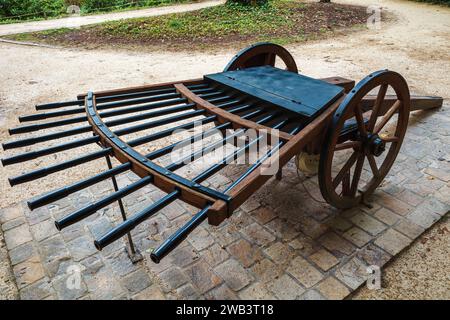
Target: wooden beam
{"type": "Point", "coordinates": [224, 116]}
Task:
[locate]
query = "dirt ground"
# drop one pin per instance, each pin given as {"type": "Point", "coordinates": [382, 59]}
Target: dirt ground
{"type": "Point", "coordinates": [417, 45]}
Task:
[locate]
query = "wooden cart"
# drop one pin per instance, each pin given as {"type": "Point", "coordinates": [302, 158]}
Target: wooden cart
{"type": "Point", "coordinates": [348, 127]}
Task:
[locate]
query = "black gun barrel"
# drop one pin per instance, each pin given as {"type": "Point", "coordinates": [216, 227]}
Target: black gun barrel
{"type": "Point", "coordinates": [175, 239]}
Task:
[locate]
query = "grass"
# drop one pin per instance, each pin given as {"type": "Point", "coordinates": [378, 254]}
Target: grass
{"type": "Point", "coordinates": [281, 21]}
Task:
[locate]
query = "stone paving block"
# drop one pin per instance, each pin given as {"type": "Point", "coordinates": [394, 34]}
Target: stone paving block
{"type": "Point", "coordinates": [136, 281]}
{"type": "Point", "coordinates": [102, 284]}
{"type": "Point", "coordinates": [28, 272]}
{"type": "Point", "coordinates": [392, 241]}
{"type": "Point", "coordinates": [58, 266]}
{"type": "Point", "coordinates": [265, 270]}
{"type": "Point", "coordinates": [72, 232]}
{"type": "Point", "coordinates": [256, 291]}
{"type": "Point", "coordinates": [336, 244]}
{"type": "Point", "coordinates": [286, 288]}
{"type": "Point", "coordinates": [357, 236]}
{"type": "Point", "coordinates": [99, 226]}
{"type": "Point", "coordinates": [233, 274]}
{"type": "Point", "coordinates": [37, 291]}
{"type": "Point", "coordinates": [410, 197]}
{"type": "Point", "coordinates": [257, 234]}
{"type": "Point", "coordinates": [81, 247]}
{"type": "Point", "coordinates": [279, 252]}
{"type": "Point", "coordinates": [283, 229]}
{"type": "Point", "coordinates": [304, 245]}
{"type": "Point", "coordinates": [251, 204]}
{"type": "Point", "coordinates": [200, 239]}
{"type": "Point", "coordinates": [245, 252]}
{"type": "Point", "coordinates": [23, 252]}
{"type": "Point", "coordinates": [353, 273]}
{"type": "Point", "coordinates": [332, 289]}
{"type": "Point", "coordinates": [53, 249]}
{"type": "Point", "coordinates": [367, 223]}
{"type": "Point", "coordinates": [17, 236]}
{"type": "Point", "coordinates": [423, 188]}
{"type": "Point", "coordinates": [387, 216]}
{"type": "Point", "coordinates": [312, 295]}
{"type": "Point", "coordinates": [10, 213]}
{"type": "Point", "coordinates": [409, 228]}
{"type": "Point", "coordinates": [120, 263]}
{"type": "Point", "coordinates": [184, 256]}
{"type": "Point", "coordinates": [443, 194]}
{"type": "Point", "coordinates": [240, 219]}
{"type": "Point", "coordinates": [311, 227]}
{"type": "Point", "coordinates": [68, 289]}
{"type": "Point", "coordinates": [373, 255]}
{"type": "Point", "coordinates": [187, 292]}
{"type": "Point", "coordinates": [43, 230]}
{"type": "Point", "coordinates": [172, 211]}
{"type": "Point", "coordinates": [172, 278]}
{"type": "Point", "coordinates": [439, 173]}
{"type": "Point", "coordinates": [304, 272]}
{"type": "Point", "coordinates": [202, 277]}
{"type": "Point", "coordinates": [150, 293]}
{"type": "Point", "coordinates": [339, 224]}
{"type": "Point", "coordinates": [13, 223]}
{"type": "Point", "coordinates": [425, 219]}
{"type": "Point", "coordinates": [263, 215]}
{"type": "Point", "coordinates": [221, 293]}
{"type": "Point", "coordinates": [395, 205]}
{"type": "Point", "coordinates": [214, 255]}
{"type": "Point", "coordinates": [92, 264]}
{"type": "Point", "coordinates": [433, 205]}
{"type": "Point", "coordinates": [324, 259]}
{"type": "Point", "coordinates": [226, 235]}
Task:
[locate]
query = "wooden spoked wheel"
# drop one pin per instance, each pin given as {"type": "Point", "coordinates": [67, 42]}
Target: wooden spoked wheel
{"type": "Point", "coordinates": [262, 54]}
{"type": "Point", "coordinates": [361, 145]}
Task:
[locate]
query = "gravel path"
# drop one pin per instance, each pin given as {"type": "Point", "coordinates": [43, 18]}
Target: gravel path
{"type": "Point", "coordinates": [417, 45]}
{"type": "Point", "coordinates": [74, 22]}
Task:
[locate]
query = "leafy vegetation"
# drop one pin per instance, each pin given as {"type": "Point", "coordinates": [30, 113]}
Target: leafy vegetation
{"type": "Point", "coordinates": [441, 2]}
{"type": "Point", "coordinates": [11, 10]}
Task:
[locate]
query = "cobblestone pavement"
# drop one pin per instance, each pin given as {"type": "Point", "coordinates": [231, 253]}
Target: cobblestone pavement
{"type": "Point", "coordinates": [281, 244]}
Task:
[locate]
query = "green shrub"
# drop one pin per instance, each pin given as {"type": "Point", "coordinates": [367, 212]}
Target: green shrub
{"type": "Point", "coordinates": [31, 8]}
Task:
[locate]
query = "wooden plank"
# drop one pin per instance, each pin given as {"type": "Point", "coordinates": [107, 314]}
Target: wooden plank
{"type": "Point", "coordinates": [347, 84]}
{"type": "Point", "coordinates": [417, 102]}
{"type": "Point", "coordinates": [224, 116]}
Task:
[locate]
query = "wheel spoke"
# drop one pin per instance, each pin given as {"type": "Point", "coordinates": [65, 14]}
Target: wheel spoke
{"type": "Point", "coordinates": [390, 139]}
{"type": "Point", "coordinates": [344, 169]}
{"type": "Point", "coordinates": [346, 183]}
{"type": "Point", "coordinates": [348, 145]}
{"type": "Point", "coordinates": [376, 108]}
{"type": "Point", "coordinates": [387, 116]}
{"type": "Point", "coordinates": [373, 165]}
{"type": "Point", "coordinates": [360, 120]}
{"type": "Point", "coordinates": [357, 174]}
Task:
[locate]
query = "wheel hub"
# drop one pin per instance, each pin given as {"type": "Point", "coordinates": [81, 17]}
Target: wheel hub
{"type": "Point", "coordinates": [375, 145]}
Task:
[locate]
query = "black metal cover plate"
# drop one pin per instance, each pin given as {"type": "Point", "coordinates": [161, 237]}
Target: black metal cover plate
{"type": "Point", "coordinates": [295, 92]}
